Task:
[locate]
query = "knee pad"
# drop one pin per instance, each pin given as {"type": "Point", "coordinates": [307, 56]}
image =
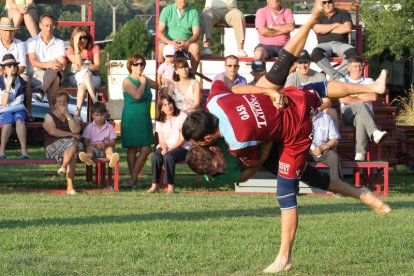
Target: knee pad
{"type": "Point", "coordinates": [280, 69]}
{"type": "Point", "coordinates": [316, 178]}
{"type": "Point", "coordinates": [317, 54]}
{"type": "Point", "coordinates": [350, 53]}
{"type": "Point", "coordinates": [287, 192]}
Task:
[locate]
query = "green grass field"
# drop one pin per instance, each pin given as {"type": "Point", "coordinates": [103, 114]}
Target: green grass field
{"type": "Point", "coordinates": [132, 233]}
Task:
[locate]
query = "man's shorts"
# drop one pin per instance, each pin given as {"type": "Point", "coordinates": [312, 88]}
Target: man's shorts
{"type": "Point", "coordinates": [39, 77]}
{"type": "Point", "coordinates": [11, 118]}
{"type": "Point", "coordinates": [271, 50]}
{"type": "Point", "coordinates": [98, 153]}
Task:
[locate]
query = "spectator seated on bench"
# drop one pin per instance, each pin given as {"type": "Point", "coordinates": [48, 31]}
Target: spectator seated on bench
{"type": "Point", "coordinates": [357, 110]}
{"type": "Point", "coordinates": [62, 138]}
{"type": "Point", "coordinates": [332, 32]}
{"type": "Point", "coordinates": [222, 11]}
{"type": "Point", "coordinates": [23, 12]}
{"type": "Point", "coordinates": [171, 148]}
{"type": "Point", "coordinates": [46, 54]}
{"type": "Point", "coordinates": [99, 138]}
{"type": "Point", "coordinates": [86, 61]}
{"type": "Point", "coordinates": [12, 109]}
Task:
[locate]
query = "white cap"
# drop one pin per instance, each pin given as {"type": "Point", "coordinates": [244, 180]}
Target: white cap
{"type": "Point", "coordinates": [168, 50]}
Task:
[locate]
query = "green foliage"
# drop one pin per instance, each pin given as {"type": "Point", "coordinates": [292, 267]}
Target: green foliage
{"type": "Point", "coordinates": [406, 115]}
{"type": "Point", "coordinates": [388, 25]}
{"type": "Point", "coordinates": [132, 37]}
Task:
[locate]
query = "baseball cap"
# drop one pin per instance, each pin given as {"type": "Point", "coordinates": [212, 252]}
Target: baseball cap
{"type": "Point", "coordinates": [304, 56]}
{"type": "Point", "coordinates": [168, 50]}
{"type": "Point", "coordinates": [258, 65]}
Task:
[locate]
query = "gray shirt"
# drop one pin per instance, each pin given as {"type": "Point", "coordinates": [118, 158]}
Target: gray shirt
{"type": "Point", "coordinates": [297, 80]}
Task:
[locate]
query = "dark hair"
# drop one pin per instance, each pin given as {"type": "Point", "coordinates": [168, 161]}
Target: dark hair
{"type": "Point", "coordinates": [48, 16]}
{"type": "Point", "coordinates": [199, 124]}
{"type": "Point", "coordinates": [77, 30]}
{"type": "Point", "coordinates": [59, 94]}
{"type": "Point", "coordinates": [356, 59]}
{"type": "Point", "coordinates": [179, 63]}
{"type": "Point", "coordinates": [199, 159]}
{"type": "Point", "coordinates": [98, 107]}
{"type": "Point", "coordinates": [161, 116]}
{"type": "Point", "coordinates": [134, 57]}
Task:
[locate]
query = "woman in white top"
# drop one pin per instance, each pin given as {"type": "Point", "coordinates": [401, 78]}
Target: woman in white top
{"type": "Point", "coordinates": [172, 147]}
{"type": "Point", "coordinates": [185, 90]}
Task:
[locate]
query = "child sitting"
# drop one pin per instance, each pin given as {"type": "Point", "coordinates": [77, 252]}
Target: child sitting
{"type": "Point", "coordinates": [99, 138]}
{"type": "Point", "coordinates": [166, 69]}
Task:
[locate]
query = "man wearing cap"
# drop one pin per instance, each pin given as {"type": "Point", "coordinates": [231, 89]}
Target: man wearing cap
{"type": "Point", "coordinates": [11, 45]}
{"type": "Point", "coordinates": [304, 75]}
{"type": "Point", "coordinates": [274, 24]}
{"type": "Point", "coordinates": [332, 32]}
{"type": "Point", "coordinates": [46, 54]}
{"type": "Point", "coordinates": [12, 109]}
{"type": "Point", "coordinates": [258, 70]}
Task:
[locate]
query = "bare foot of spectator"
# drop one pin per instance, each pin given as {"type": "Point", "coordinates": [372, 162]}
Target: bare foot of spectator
{"type": "Point", "coordinates": [154, 188]}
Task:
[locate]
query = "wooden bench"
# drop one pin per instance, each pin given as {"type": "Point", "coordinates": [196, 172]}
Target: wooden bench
{"type": "Point", "coordinates": [101, 176]}
{"type": "Point", "coordinates": [365, 173]}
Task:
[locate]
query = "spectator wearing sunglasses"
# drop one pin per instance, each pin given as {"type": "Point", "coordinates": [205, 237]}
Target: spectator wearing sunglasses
{"type": "Point", "coordinates": [47, 58]}
{"type": "Point", "coordinates": [304, 75]}
{"type": "Point", "coordinates": [136, 130]}
{"type": "Point", "coordinates": [86, 62]}
{"type": "Point", "coordinates": [332, 32]}
{"type": "Point", "coordinates": [231, 73]}
{"type": "Point", "coordinates": [12, 109]}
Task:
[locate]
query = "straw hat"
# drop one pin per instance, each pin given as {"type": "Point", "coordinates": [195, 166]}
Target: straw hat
{"type": "Point", "coordinates": [6, 24]}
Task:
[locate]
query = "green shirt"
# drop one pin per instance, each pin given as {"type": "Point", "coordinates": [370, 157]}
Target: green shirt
{"type": "Point", "coordinates": [233, 171]}
{"type": "Point", "coordinates": [179, 27]}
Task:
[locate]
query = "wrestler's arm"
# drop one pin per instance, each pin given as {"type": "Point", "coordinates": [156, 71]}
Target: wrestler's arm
{"type": "Point", "coordinates": [274, 94]}
{"type": "Point", "coordinates": [247, 173]}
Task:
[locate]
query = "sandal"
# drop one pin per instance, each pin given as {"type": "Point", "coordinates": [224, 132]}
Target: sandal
{"type": "Point", "coordinates": [30, 118]}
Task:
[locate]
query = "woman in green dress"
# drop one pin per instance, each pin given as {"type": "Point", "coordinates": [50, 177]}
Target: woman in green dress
{"type": "Point", "coordinates": [136, 131]}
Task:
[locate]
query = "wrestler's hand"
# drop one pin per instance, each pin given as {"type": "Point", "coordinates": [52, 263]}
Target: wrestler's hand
{"type": "Point", "coordinates": [278, 99]}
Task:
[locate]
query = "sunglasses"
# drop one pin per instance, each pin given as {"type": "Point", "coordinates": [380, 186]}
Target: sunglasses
{"type": "Point", "coordinates": [232, 65]}
{"type": "Point", "coordinates": [11, 65]}
{"type": "Point", "coordinates": [85, 37]}
{"type": "Point", "coordinates": [138, 64]}
{"type": "Point", "coordinates": [327, 2]}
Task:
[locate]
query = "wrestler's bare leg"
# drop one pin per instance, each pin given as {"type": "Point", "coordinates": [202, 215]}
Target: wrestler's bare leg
{"type": "Point", "coordinates": [336, 89]}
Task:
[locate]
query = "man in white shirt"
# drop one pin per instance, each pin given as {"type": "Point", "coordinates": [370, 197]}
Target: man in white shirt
{"type": "Point", "coordinates": [222, 11]}
{"type": "Point", "coordinates": [46, 55]}
{"type": "Point", "coordinates": [357, 110]}
{"type": "Point", "coordinates": [11, 45]}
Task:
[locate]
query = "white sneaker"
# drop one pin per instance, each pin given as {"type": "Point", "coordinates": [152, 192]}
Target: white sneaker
{"type": "Point", "coordinates": [206, 52]}
{"type": "Point", "coordinates": [61, 172]}
{"type": "Point", "coordinates": [242, 53]}
{"type": "Point", "coordinates": [379, 136]}
{"type": "Point", "coordinates": [71, 192]}
{"type": "Point", "coordinates": [360, 156]}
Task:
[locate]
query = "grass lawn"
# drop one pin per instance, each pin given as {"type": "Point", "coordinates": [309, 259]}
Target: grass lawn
{"type": "Point", "coordinates": [132, 233]}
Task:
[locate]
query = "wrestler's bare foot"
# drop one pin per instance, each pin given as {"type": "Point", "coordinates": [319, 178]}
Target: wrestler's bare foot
{"type": "Point", "coordinates": [279, 265]}
{"type": "Point", "coordinates": [376, 204]}
{"type": "Point", "coordinates": [317, 10]}
{"type": "Point", "coordinates": [381, 82]}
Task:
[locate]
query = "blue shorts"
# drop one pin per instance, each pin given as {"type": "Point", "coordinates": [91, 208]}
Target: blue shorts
{"type": "Point", "coordinates": [11, 118]}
